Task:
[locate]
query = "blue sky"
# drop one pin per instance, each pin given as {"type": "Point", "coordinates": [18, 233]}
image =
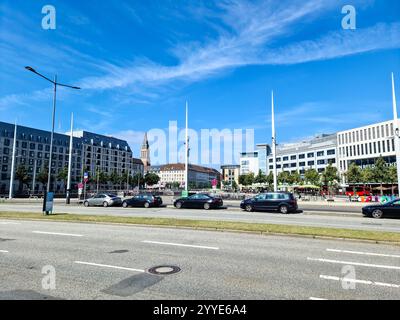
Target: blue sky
{"type": "Point", "coordinates": [139, 61]}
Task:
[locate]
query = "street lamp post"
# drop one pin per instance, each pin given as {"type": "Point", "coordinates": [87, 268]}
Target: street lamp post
{"type": "Point", "coordinates": [397, 135]}
{"type": "Point", "coordinates": [55, 84]}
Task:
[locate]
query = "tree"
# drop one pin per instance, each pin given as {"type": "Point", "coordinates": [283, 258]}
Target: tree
{"type": "Point", "coordinates": [151, 178]}
{"type": "Point", "coordinates": [284, 177]}
{"type": "Point", "coordinates": [22, 176]}
{"type": "Point", "coordinates": [114, 178]}
{"type": "Point", "coordinates": [246, 179]}
{"type": "Point", "coordinates": [270, 178]}
{"type": "Point", "coordinates": [392, 177]}
{"type": "Point", "coordinates": [294, 178]}
{"type": "Point", "coordinates": [234, 185]}
{"type": "Point", "coordinates": [380, 172]}
{"type": "Point", "coordinates": [354, 174]}
{"type": "Point", "coordinates": [63, 176]}
{"type": "Point", "coordinates": [312, 176]}
{"type": "Point", "coordinates": [330, 176]}
{"type": "Point", "coordinates": [367, 175]}
{"type": "Point", "coordinates": [260, 178]}
{"type": "Point", "coordinates": [43, 175]}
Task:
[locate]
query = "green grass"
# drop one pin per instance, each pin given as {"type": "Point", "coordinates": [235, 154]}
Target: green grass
{"type": "Point", "coordinates": [215, 225]}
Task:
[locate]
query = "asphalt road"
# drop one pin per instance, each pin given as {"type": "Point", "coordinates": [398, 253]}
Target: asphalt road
{"type": "Point", "coordinates": [306, 218]}
{"type": "Point", "coordinates": [93, 261]}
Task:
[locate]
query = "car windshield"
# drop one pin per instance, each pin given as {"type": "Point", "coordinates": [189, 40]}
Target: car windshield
{"type": "Point", "coordinates": [111, 195]}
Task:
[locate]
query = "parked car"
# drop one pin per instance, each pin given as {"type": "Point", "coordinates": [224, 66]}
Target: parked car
{"type": "Point", "coordinates": [284, 202]}
{"type": "Point", "coordinates": [103, 199]}
{"type": "Point", "coordinates": [388, 209]}
{"type": "Point", "coordinates": [143, 200]}
{"type": "Point", "coordinates": [199, 201]}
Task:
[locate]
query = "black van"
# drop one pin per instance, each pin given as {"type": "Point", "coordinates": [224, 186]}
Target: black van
{"type": "Point", "coordinates": [284, 202]}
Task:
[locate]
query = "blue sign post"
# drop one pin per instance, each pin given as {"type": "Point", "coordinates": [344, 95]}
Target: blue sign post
{"type": "Point", "coordinates": [49, 201]}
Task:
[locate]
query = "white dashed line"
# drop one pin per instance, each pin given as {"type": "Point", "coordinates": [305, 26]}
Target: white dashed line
{"type": "Point", "coordinates": [108, 266]}
{"type": "Point", "coordinates": [355, 263]}
{"type": "Point", "coordinates": [180, 245]}
{"type": "Point", "coordinates": [364, 253]}
{"type": "Point", "coordinates": [6, 223]}
{"type": "Point", "coordinates": [58, 234]}
{"type": "Point", "coordinates": [3, 251]}
{"type": "Point", "coordinates": [375, 283]}
{"type": "Point", "coordinates": [314, 298]}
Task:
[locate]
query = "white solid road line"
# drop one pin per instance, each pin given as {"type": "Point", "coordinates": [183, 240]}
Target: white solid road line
{"type": "Point", "coordinates": [7, 222]}
{"type": "Point", "coordinates": [58, 234]}
{"type": "Point", "coordinates": [355, 263]}
{"type": "Point", "coordinates": [3, 251]}
{"type": "Point", "coordinates": [108, 266]}
{"type": "Point", "coordinates": [180, 245]}
{"type": "Point", "coordinates": [365, 253]}
{"type": "Point", "coordinates": [375, 283]}
{"type": "Point", "coordinates": [314, 298]}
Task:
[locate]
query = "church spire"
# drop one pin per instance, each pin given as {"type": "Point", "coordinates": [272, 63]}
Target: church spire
{"type": "Point", "coordinates": [145, 153]}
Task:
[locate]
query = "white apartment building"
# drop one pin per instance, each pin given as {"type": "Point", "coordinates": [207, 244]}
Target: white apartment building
{"type": "Point", "coordinates": [364, 145]}
{"type": "Point", "coordinates": [315, 153]}
{"type": "Point", "coordinates": [249, 163]}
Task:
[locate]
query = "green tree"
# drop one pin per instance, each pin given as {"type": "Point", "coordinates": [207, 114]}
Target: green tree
{"type": "Point", "coordinates": [367, 175]}
{"type": "Point", "coordinates": [284, 177]}
{"type": "Point", "coordinates": [246, 179]}
{"type": "Point", "coordinates": [354, 174]}
{"type": "Point", "coordinates": [330, 176]}
{"type": "Point", "coordinates": [43, 175]}
{"type": "Point", "coordinates": [392, 177]}
{"type": "Point", "coordinates": [22, 176]}
{"type": "Point", "coordinates": [380, 172]}
{"type": "Point", "coordinates": [270, 178]}
{"type": "Point", "coordinates": [63, 176]}
{"type": "Point", "coordinates": [234, 185]}
{"type": "Point", "coordinates": [260, 178]}
{"type": "Point", "coordinates": [114, 178]}
{"type": "Point", "coordinates": [312, 176]}
{"type": "Point", "coordinates": [151, 178]}
{"type": "Point", "coordinates": [294, 178]}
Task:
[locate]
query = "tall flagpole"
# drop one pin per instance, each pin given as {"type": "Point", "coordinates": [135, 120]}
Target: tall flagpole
{"type": "Point", "coordinates": [13, 162]}
{"type": "Point", "coordinates": [396, 136]}
{"type": "Point", "coordinates": [186, 151]}
{"type": "Point", "coordinates": [274, 144]}
{"type": "Point", "coordinates": [68, 200]}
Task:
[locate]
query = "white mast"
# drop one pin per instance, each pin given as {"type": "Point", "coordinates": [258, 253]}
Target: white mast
{"type": "Point", "coordinates": [396, 136]}
{"type": "Point", "coordinates": [274, 144]}
{"type": "Point", "coordinates": [13, 162]}
{"type": "Point", "coordinates": [186, 151]}
{"type": "Point", "coordinates": [70, 159]}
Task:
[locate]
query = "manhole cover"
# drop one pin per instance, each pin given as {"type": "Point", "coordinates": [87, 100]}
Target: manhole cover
{"type": "Point", "coordinates": [164, 270]}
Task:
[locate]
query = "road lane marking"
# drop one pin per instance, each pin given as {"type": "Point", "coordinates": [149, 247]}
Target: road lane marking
{"type": "Point", "coordinates": [58, 234]}
{"type": "Point", "coordinates": [3, 222]}
{"type": "Point", "coordinates": [365, 253]}
{"type": "Point", "coordinates": [3, 251]}
{"type": "Point", "coordinates": [180, 245]}
{"type": "Point", "coordinates": [107, 266]}
{"type": "Point", "coordinates": [375, 283]}
{"type": "Point", "coordinates": [355, 263]}
{"type": "Point", "coordinates": [314, 298]}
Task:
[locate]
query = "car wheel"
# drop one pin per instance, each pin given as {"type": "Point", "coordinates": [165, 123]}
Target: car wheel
{"type": "Point", "coordinates": [86, 203]}
{"type": "Point", "coordinates": [377, 214]}
{"type": "Point", "coordinates": [105, 204]}
{"type": "Point", "coordinates": [249, 208]}
{"type": "Point", "coordinates": [206, 206]}
{"type": "Point", "coordinates": [178, 205]}
{"type": "Point", "coordinates": [283, 209]}
{"type": "Point", "coordinates": [125, 204]}
{"type": "Point", "coordinates": [146, 204]}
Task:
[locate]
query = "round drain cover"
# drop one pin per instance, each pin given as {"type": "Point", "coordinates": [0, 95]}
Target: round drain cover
{"type": "Point", "coordinates": [164, 270]}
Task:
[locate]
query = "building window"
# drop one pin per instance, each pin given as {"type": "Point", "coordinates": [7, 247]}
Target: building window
{"type": "Point", "coordinates": [302, 156]}
{"type": "Point", "coordinates": [358, 149]}
{"type": "Point", "coordinates": [362, 149]}
{"type": "Point", "coordinates": [310, 163]}
{"type": "Point", "coordinates": [393, 145]}
{"type": "Point", "coordinates": [302, 164]}
{"type": "Point", "coordinates": [293, 158]}
{"type": "Point", "coordinates": [331, 152]}
{"type": "Point", "coordinates": [374, 147]}
{"type": "Point", "coordinates": [285, 158]}
{"type": "Point", "coordinates": [320, 162]}
{"type": "Point", "coordinates": [310, 155]}
{"type": "Point", "coordinates": [320, 153]}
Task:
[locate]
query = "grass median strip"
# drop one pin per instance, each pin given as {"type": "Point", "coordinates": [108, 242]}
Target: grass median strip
{"type": "Point", "coordinates": [217, 225]}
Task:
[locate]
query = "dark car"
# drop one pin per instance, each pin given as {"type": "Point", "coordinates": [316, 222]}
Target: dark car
{"type": "Point", "coordinates": [199, 201]}
{"type": "Point", "coordinates": [143, 200]}
{"type": "Point", "coordinates": [388, 209]}
{"type": "Point", "coordinates": [284, 202]}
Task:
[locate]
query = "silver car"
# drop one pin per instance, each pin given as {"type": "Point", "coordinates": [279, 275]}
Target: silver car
{"type": "Point", "coordinates": [103, 199]}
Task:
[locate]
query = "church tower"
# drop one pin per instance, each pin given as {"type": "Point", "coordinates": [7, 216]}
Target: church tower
{"type": "Point", "coordinates": [145, 153]}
